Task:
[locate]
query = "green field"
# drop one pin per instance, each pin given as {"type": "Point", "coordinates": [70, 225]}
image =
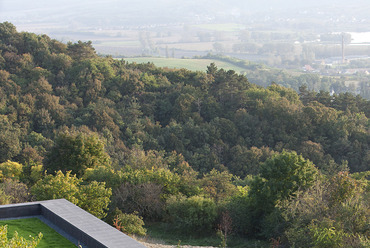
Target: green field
{"type": "Point", "coordinates": [33, 226]}
{"type": "Point", "coordinates": [190, 64]}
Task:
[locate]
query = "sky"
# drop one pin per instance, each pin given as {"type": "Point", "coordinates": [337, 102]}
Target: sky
{"type": "Point", "coordinates": [51, 16]}
{"type": "Point", "coordinates": [67, 11]}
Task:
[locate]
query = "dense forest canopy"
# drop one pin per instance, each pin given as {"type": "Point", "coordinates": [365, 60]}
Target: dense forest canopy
{"type": "Point", "coordinates": [213, 119]}
{"type": "Point", "coordinates": [104, 125]}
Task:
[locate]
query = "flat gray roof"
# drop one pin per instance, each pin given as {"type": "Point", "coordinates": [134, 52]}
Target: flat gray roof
{"type": "Point", "coordinates": [82, 226]}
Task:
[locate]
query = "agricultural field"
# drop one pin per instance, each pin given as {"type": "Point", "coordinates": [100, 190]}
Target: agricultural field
{"type": "Point", "coordinates": [33, 226]}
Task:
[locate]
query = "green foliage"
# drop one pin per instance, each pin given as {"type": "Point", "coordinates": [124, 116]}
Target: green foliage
{"type": "Point", "coordinates": [12, 170]}
{"type": "Point", "coordinates": [76, 152]}
{"type": "Point", "coordinates": [193, 213]}
{"type": "Point", "coordinates": [329, 214]}
{"type": "Point", "coordinates": [324, 237]}
{"type": "Point", "coordinates": [14, 191]}
{"type": "Point", "coordinates": [93, 197]}
{"type": "Point", "coordinates": [58, 186]}
{"type": "Point", "coordinates": [171, 132]}
{"type": "Point", "coordinates": [217, 185]}
{"type": "Point", "coordinates": [131, 224]}
{"type": "Point", "coordinates": [9, 139]}
{"type": "Point", "coordinates": [4, 198]}
{"type": "Point", "coordinates": [36, 173]}
{"type": "Point", "coordinates": [281, 177]}
{"type": "Point", "coordinates": [286, 173]}
{"type": "Point", "coordinates": [168, 180]}
{"type": "Point", "coordinates": [17, 241]}
{"type": "Point", "coordinates": [103, 174]}
{"type": "Point", "coordinates": [246, 161]}
{"type": "Point", "coordinates": [81, 50]}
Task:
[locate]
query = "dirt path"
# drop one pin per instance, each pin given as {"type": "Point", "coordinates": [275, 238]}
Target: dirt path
{"type": "Point", "coordinates": [149, 245]}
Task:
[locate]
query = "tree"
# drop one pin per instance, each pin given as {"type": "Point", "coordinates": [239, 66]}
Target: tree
{"type": "Point", "coordinates": [15, 191]}
{"type": "Point", "coordinates": [9, 139]}
{"type": "Point", "coordinates": [281, 177]}
{"type": "Point", "coordinates": [9, 169]}
{"type": "Point", "coordinates": [286, 173]}
{"type": "Point", "coordinates": [59, 186]}
{"type": "Point", "coordinates": [217, 185]}
{"type": "Point", "coordinates": [75, 152]}
{"type": "Point", "coordinates": [92, 197]}
{"type": "Point", "coordinates": [244, 161]}
{"type": "Point", "coordinates": [8, 33]}
{"type": "Point", "coordinates": [219, 47]}
{"type": "Point", "coordinates": [81, 50]}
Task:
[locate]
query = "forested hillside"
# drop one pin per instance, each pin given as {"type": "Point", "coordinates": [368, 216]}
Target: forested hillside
{"type": "Point", "coordinates": [135, 137]}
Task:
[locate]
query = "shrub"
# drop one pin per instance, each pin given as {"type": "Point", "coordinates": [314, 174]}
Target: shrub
{"type": "Point", "coordinates": [129, 223]}
{"type": "Point", "coordinates": [193, 213]}
{"type": "Point", "coordinates": [326, 237]}
{"type": "Point", "coordinates": [17, 241]}
{"type": "Point", "coordinates": [16, 191]}
{"type": "Point", "coordinates": [144, 198]}
{"type": "Point", "coordinates": [332, 213]}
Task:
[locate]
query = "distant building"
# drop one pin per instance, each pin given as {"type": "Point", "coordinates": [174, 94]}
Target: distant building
{"type": "Point", "coordinates": [308, 68]}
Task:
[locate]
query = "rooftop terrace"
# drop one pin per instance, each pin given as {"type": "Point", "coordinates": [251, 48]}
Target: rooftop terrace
{"type": "Point", "coordinates": [72, 222]}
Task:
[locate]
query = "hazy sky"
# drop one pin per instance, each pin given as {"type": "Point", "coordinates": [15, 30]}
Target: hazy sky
{"type": "Point", "coordinates": [40, 10]}
{"type": "Point", "coordinates": [51, 17]}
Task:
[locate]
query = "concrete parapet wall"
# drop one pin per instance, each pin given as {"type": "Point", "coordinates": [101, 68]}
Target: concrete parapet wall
{"type": "Point", "coordinates": [20, 210]}
{"type": "Point", "coordinates": [83, 227]}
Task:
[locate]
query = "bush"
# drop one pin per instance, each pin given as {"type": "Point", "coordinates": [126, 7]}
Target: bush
{"type": "Point", "coordinates": [17, 241]}
{"type": "Point", "coordinates": [17, 192]}
{"type": "Point", "coordinates": [129, 223]}
{"type": "Point", "coordinates": [326, 237]}
{"type": "Point", "coordinates": [143, 198]}
{"type": "Point", "coordinates": [192, 214]}
{"type": "Point", "coordinates": [332, 213]}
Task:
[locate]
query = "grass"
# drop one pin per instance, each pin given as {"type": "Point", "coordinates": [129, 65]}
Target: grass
{"type": "Point", "coordinates": [190, 64]}
{"type": "Point", "coordinates": [162, 233]}
{"type": "Point", "coordinates": [33, 226]}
